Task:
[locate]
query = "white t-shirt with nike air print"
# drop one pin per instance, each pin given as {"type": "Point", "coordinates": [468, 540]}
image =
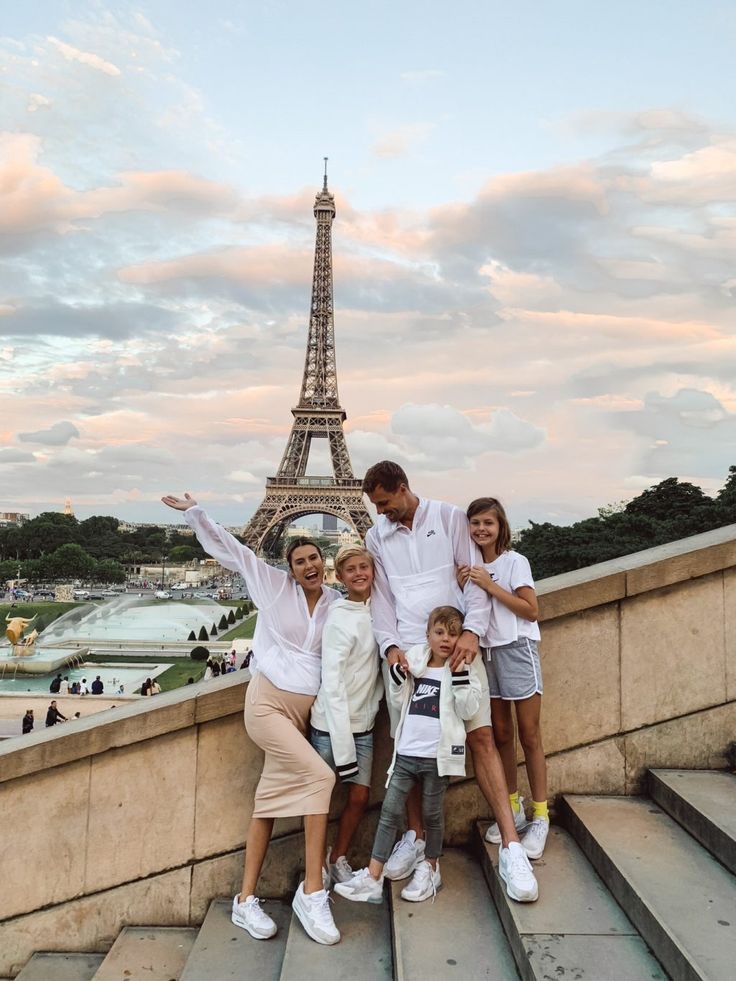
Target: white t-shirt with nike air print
{"type": "Point", "coordinates": [420, 734]}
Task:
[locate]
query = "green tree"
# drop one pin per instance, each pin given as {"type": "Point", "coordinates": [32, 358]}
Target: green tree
{"type": "Point", "coordinates": [109, 571]}
{"type": "Point", "coordinates": [222, 625]}
{"type": "Point", "coordinates": [182, 553]}
{"type": "Point", "coordinates": [231, 616]}
{"type": "Point", "coordinates": [192, 635]}
{"type": "Point", "coordinates": [203, 635]}
{"type": "Point", "coordinates": [199, 654]}
{"type": "Point", "coordinates": [71, 562]}
{"type": "Point", "coordinates": [668, 499]}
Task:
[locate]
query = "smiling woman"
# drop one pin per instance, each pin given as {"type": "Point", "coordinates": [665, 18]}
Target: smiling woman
{"type": "Point", "coordinates": [286, 669]}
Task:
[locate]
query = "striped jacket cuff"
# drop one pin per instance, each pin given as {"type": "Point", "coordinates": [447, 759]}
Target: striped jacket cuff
{"type": "Point", "coordinates": [398, 675]}
{"type": "Point", "coordinates": [347, 770]}
{"type": "Point", "coordinates": [460, 678]}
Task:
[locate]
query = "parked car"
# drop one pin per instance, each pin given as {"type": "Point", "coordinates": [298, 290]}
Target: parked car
{"type": "Point", "coordinates": [181, 585]}
{"type": "Point", "coordinates": [44, 594]}
{"type": "Point", "coordinates": [162, 594]}
{"type": "Point", "coordinates": [81, 594]}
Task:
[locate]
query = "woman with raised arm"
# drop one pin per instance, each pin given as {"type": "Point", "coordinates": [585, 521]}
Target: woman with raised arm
{"type": "Point", "coordinates": [286, 668]}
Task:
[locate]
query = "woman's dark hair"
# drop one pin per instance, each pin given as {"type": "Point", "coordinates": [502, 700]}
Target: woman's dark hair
{"type": "Point", "coordinates": [481, 504]}
{"type": "Point", "coordinates": [296, 543]}
{"type": "Point", "coordinates": [386, 474]}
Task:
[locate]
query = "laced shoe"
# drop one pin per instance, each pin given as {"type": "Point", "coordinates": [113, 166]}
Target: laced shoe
{"type": "Point", "coordinates": [361, 888]}
{"type": "Point", "coordinates": [535, 837]}
{"type": "Point", "coordinates": [315, 915]}
{"type": "Point", "coordinates": [516, 871]}
{"type": "Point", "coordinates": [424, 883]}
{"type": "Point", "coordinates": [493, 835]}
{"type": "Point", "coordinates": [341, 870]}
{"type": "Point", "coordinates": [407, 854]}
{"type": "Point", "coordinates": [249, 915]}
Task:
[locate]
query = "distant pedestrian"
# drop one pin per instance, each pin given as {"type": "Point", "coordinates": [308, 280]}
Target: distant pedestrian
{"type": "Point", "coordinates": [66, 686]}
{"type": "Point", "coordinates": [55, 686]}
{"type": "Point", "coordinates": [155, 688]}
{"type": "Point", "coordinates": [28, 721]}
{"type": "Point", "coordinates": [145, 686]}
{"type": "Point", "coordinates": [97, 686]}
{"type": "Point", "coordinates": [74, 689]}
{"type": "Point", "coordinates": [216, 669]}
{"type": "Point", "coordinates": [53, 715]}
{"type": "Point", "coordinates": [83, 689]}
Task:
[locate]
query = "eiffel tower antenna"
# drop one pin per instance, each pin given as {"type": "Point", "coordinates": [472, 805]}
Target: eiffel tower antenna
{"type": "Point", "coordinates": [292, 494]}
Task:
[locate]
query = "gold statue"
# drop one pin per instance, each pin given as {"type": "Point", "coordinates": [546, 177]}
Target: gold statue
{"type": "Point", "coordinates": [22, 646]}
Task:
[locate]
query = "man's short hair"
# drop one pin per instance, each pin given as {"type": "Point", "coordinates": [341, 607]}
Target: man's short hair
{"type": "Point", "coordinates": [350, 552]}
{"type": "Point", "coordinates": [386, 474]}
{"type": "Point", "coordinates": [446, 616]}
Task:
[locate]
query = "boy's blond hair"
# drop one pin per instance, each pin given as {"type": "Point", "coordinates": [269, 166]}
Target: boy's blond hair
{"type": "Point", "coordinates": [446, 616]}
{"type": "Point", "coordinates": [350, 552]}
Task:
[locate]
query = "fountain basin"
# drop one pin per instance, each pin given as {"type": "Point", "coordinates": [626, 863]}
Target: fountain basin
{"type": "Point", "coordinates": [44, 660]}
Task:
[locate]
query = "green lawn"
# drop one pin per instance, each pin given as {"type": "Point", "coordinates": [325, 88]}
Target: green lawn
{"type": "Point", "coordinates": [47, 610]}
{"type": "Point", "coordinates": [177, 675]}
{"type": "Point", "coordinates": [244, 630]}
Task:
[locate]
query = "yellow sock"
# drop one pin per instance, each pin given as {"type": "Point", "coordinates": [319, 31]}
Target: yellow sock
{"type": "Point", "coordinates": [540, 809]}
{"type": "Point", "coordinates": [515, 803]}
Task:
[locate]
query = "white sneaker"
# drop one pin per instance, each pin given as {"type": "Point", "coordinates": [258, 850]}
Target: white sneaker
{"type": "Point", "coordinates": [315, 915]}
{"type": "Point", "coordinates": [516, 871]}
{"type": "Point", "coordinates": [361, 888]}
{"type": "Point", "coordinates": [424, 883]}
{"type": "Point", "coordinates": [535, 838]}
{"type": "Point", "coordinates": [341, 870]}
{"type": "Point", "coordinates": [407, 854]}
{"type": "Point", "coordinates": [493, 835]}
{"type": "Point", "coordinates": [249, 915]}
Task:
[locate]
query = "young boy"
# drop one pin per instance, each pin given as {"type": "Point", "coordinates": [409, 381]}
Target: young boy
{"type": "Point", "coordinates": [429, 748]}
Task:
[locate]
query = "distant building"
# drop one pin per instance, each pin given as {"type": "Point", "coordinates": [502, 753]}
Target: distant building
{"type": "Point", "coordinates": [329, 522]}
{"type": "Point", "coordinates": [170, 529]}
{"type": "Point", "coordinates": [68, 510]}
{"type": "Point", "coordinates": [13, 518]}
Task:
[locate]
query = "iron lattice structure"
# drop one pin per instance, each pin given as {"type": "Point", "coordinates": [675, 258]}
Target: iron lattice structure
{"type": "Point", "coordinates": [292, 494]}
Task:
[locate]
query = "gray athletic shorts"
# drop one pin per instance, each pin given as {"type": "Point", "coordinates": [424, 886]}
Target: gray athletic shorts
{"type": "Point", "coordinates": [513, 670]}
{"type": "Point", "coordinates": [363, 750]}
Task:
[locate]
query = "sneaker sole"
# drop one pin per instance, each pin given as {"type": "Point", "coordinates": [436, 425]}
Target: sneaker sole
{"type": "Point", "coordinates": [421, 899]}
{"type": "Point", "coordinates": [256, 936]}
{"type": "Point", "coordinates": [309, 932]}
{"type": "Point", "coordinates": [515, 896]}
{"type": "Point", "coordinates": [375, 900]}
{"type": "Point", "coordinates": [533, 855]}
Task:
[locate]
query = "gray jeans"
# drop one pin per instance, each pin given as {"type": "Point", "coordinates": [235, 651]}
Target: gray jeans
{"type": "Point", "coordinates": [409, 770]}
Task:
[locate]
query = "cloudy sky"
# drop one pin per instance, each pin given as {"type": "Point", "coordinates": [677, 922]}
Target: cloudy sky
{"type": "Point", "coordinates": [534, 275]}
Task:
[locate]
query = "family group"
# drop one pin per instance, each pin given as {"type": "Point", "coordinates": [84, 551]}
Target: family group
{"type": "Point", "coordinates": [441, 615]}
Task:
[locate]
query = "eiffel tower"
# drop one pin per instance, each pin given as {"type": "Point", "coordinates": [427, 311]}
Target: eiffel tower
{"type": "Point", "coordinates": [291, 493]}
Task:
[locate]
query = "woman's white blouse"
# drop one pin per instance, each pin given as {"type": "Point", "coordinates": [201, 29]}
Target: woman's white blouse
{"type": "Point", "coordinates": [287, 644]}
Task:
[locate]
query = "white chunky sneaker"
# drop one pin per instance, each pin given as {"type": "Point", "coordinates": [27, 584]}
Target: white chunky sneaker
{"type": "Point", "coordinates": [516, 871]}
{"type": "Point", "coordinates": [535, 837]}
{"type": "Point", "coordinates": [493, 835]}
{"type": "Point", "coordinates": [424, 883]}
{"type": "Point", "coordinates": [315, 915]}
{"type": "Point", "coordinates": [361, 888]}
{"type": "Point", "coordinates": [407, 854]}
{"type": "Point", "coordinates": [340, 871]}
{"type": "Point", "coordinates": [249, 915]}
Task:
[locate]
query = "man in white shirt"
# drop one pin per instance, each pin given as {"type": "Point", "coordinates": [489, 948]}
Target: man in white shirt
{"type": "Point", "coordinates": [417, 545]}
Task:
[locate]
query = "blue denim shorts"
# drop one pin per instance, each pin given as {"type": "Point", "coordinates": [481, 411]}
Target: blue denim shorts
{"type": "Point", "coordinates": [363, 750]}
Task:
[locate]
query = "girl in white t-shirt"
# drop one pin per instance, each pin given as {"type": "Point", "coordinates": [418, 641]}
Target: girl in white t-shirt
{"type": "Point", "coordinates": [512, 663]}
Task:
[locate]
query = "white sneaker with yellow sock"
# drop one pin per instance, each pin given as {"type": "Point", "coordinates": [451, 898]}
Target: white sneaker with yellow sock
{"type": "Point", "coordinates": [535, 837]}
{"type": "Point", "coordinates": [493, 835]}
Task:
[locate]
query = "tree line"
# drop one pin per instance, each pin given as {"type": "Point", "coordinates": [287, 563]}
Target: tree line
{"type": "Point", "coordinates": [670, 510]}
{"type": "Point", "coordinates": [55, 546]}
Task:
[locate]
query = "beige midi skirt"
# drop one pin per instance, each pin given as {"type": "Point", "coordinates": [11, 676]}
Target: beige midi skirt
{"type": "Point", "coordinates": [295, 779]}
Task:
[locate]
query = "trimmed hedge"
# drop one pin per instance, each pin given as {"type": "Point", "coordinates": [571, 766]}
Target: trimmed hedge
{"type": "Point", "coordinates": [199, 654]}
{"type": "Point", "coordinates": [203, 635]}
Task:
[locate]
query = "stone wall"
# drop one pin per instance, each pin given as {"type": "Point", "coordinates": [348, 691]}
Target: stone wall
{"type": "Point", "coordinates": [139, 815]}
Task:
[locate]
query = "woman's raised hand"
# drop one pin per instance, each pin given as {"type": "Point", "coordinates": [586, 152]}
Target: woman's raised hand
{"type": "Point", "coordinates": [179, 503]}
{"type": "Point", "coordinates": [481, 577]}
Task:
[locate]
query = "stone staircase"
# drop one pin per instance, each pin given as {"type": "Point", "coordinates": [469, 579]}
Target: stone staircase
{"type": "Point", "coordinates": [668, 860]}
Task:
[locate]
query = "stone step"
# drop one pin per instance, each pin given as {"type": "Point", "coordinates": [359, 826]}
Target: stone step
{"type": "Point", "coordinates": [61, 967]}
{"type": "Point", "coordinates": [223, 950]}
{"type": "Point", "coordinates": [457, 935]}
{"type": "Point", "coordinates": [363, 954]}
{"type": "Point", "coordinates": [150, 953]}
{"type": "Point", "coordinates": [681, 900]}
{"type": "Point", "coordinates": [704, 803]}
{"type": "Point", "coordinates": [575, 928]}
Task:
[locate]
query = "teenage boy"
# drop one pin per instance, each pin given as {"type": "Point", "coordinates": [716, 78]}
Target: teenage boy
{"type": "Point", "coordinates": [345, 709]}
{"type": "Point", "coordinates": [429, 748]}
{"type": "Point", "coordinates": [417, 544]}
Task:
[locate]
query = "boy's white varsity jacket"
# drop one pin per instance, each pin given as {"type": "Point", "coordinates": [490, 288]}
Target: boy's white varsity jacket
{"type": "Point", "coordinates": [460, 698]}
{"type": "Point", "coordinates": [352, 686]}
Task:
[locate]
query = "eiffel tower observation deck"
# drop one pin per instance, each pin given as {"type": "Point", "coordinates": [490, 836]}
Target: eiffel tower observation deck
{"type": "Point", "coordinates": [292, 493]}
